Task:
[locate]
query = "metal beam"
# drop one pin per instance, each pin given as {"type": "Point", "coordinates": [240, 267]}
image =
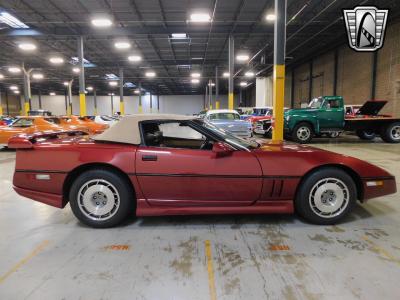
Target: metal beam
{"type": "Point", "coordinates": [216, 88]}
{"type": "Point", "coordinates": [279, 69]}
{"type": "Point", "coordinates": [373, 79]}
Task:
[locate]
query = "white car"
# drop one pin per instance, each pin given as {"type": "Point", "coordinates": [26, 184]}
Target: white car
{"type": "Point", "coordinates": [229, 120]}
{"type": "Point", "coordinates": [104, 119]}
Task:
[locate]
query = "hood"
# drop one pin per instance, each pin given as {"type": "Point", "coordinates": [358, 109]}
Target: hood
{"type": "Point", "coordinates": [371, 108]}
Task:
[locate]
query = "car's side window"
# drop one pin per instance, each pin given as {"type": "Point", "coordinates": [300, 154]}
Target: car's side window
{"type": "Point", "coordinates": [174, 135]}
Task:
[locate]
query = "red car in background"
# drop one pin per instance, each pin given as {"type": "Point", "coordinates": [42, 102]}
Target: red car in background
{"type": "Point", "coordinates": [176, 165]}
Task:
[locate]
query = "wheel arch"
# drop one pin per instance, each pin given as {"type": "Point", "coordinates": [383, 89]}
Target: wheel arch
{"type": "Point", "coordinates": [353, 174]}
{"type": "Point", "coordinates": [91, 166]}
{"type": "Point", "coordinates": [309, 122]}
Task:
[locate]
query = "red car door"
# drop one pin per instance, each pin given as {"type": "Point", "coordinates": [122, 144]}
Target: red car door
{"type": "Point", "coordinates": [171, 176]}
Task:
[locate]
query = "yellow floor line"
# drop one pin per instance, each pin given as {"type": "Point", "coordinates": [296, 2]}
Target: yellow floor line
{"type": "Point", "coordinates": [23, 261]}
{"type": "Point", "coordinates": [382, 251]}
{"type": "Point", "coordinates": [210, 270]}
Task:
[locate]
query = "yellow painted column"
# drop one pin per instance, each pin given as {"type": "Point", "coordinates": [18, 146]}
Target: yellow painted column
{"type": "Point", "coordinates": [82, 104]}
{"type": "Point", "coordinates": [122, 107]}
{"type": "Point", "coordinates": [211, 106]}
{"type": "Point", "coordinates": [216, 104]}
{"type": "Point", "coordinates": [278, 102]}
{"type": "Point", "coordinates": [26, 108]}
{"type": "Point", "coordinates": [1, 110]}
{"type": "Point", "coordinates": [69, 109]}
{"type": "Point", "coordinates": [230, 101]}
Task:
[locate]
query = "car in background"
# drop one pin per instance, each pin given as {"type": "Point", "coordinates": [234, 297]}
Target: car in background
{"type": "Point", "coordinates": [40, 112]}
{"type": "Point", "coordinates": [351, 110]}
{"type": "Point", "coordinates": [91, 126]}
{"type": "Point", "coordinates": [245, 112]}
{"type": "Point", "coordinates": [151, 165]}
{"type": "Point", "coordinates": [33, 124]}
{"type": "Point", "coordinates": [229, 119]}
{"type": "Point", "coordinates": [103, 119]}
{"type": "Point", "coordinates": [4, 120]}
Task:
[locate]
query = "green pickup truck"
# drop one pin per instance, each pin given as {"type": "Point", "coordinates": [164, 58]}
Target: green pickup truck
{"type": "Point", "coordinates": [326, 115]}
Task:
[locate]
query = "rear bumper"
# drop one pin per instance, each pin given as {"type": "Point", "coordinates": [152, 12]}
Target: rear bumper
{"type": "Point", "coordinates": [47, 198]}
{"type": "Point", "coordinates": [374, 187]}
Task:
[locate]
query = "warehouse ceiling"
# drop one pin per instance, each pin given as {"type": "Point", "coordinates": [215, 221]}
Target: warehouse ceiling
{"type": "Point", "coordinates": [148, 25]}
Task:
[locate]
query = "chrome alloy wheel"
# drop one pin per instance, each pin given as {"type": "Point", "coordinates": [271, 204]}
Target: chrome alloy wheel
{"type": "Point", "coordinates": [98, 199]}
{"type": "Point", "coordinates": [329, 197]}
{"type": "Point", "coordinates": [395, 132]}
{"type": "Point", "coordinates": [303, 133]}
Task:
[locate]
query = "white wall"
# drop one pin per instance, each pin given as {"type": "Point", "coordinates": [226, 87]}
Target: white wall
{"type": "Point", "coordinates": [178, 104]}
{"type": "Point", "coordinates": [264, 90]}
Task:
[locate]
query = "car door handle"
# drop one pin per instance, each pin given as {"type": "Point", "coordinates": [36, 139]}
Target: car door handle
{"type": "Point", "coordinates": [149, 157]}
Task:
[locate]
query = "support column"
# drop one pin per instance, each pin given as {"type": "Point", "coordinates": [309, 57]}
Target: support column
{"type": "Point", "coordinates": [310, 83]}
{"type": "Point", "coordinates": [292, 90]}
{"type": "Point", "coordinates": [40, 98]}
{"type": "Point", "coordinates": [206, 98]}
{"type": "Point", "coordinates": [27, 90]}
{"type": "Point", "coordinates": [140, 98]}
{"type": "Point", "coordinates": [1, 107]}
{"type": "Point", "coordinates": [335, 70]}
{"type": "Point", "coordinates": [151, 104]}
{"type": "Point", "coordinates": [66, 102]}
{"type": "Point", "coordinates": [121, 92]}
{"type": "Point", "coordinates": [279, 69]}
{"type": "Point", "coordinates": [373, 79]}
{"type": "Point", "coordinates": [216, 89]}
{"type": "Point", "coordinates": [7, 104]}
{"type": "Point", "coordinates": [210, 94]}
{"type": "Point", "coordinates": [112, 103]}
{"type": "Point", "coordinates": [95, 101]}
{"type": "Point", "coordinates": [82, 95]}
{"type": "Point", "coordinates": [231, 71]}
{"type": "Point", "coordinates": [69, 112]}
{"type": "Point", "coordinates": [158, 103]}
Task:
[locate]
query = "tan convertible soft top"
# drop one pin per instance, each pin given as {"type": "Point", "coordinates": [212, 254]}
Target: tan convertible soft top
{"type": "Point", "coordinates": [127, 129]}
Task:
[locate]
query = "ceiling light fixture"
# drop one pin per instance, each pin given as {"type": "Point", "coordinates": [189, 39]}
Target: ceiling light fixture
{"type": "Point", "coordinates": [1, 76]}
{"type": "Point", "coordinates": [200, 17]}
{"type": "Point", "coordinates": [136, 91]}
{"type": "Point", "coordinates": [249, 74]}
{"type": "Point", "coordinates": [76, 70]}
{"type": "Point", "coordinates": [16, 92]}
{"type": "Point", "coordinates": [13, 87]}
{"type": "Point", "coordinates": [243, 83]}
{"type": "Point", "coordinates": [179, 36]}
{"type": "Point", "coordinates": [52, 94]}
{"type": "Point", "coordinates": [122, 45]}
{"type": "Point", "coordinates": [195, 75]}
{"type": "Point", "coordinates": [12, 21]}
{"type": "Point", "coordinates": [226, 74]}
{"type": "Point", "coordinates": [242, 57]}
{"type": "Point", "coordinates": [27, 46]}
{"type": "Point", "coordinates": [89, 88]}
{"type": "Point", "coordinates": [150, 74]}
{"type": "Point", "coordinates": [134, 58]}
{"type": "Point", "coordinates": [37, 76]}
{"type": "Point", "coordinates": [56, 60]}
{"type": "Point", "coordinates": [211, 84]}
{"type": "Point", "coordinates": [270, 17]}
{"type": "Point", "coordinates": [195, 80]}
{"type": "Point", "coordinates": [101, 22]}
{"type": "Point", "coordinates": [14, 69]}
{"type": "Point", "coordinates": [66, 83]}
{"type": "Point", "coordinates": [113, 83]}
{"type": "Point", "coordinates": [110, 94]}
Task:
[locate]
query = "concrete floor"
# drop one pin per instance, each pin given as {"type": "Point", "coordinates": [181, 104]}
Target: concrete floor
{"type": "Point", "coordinates": [46, 254]}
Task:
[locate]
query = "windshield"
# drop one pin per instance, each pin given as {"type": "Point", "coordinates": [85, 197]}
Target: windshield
{"type": "Point", "coordinates": [224, 116]}
{"type": "Point", "coordinates": [22, 122]}
{"type": "Point", "coordinates": [229, 137]}
{"type": "Point", "coordinates": [316, 103]}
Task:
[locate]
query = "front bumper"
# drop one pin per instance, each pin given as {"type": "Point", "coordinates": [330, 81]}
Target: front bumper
{"type": "Point", "coordinates": [374, 187]}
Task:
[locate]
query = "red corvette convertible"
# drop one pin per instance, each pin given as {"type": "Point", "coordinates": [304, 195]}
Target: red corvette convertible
{"type": "Point", "coordinates": [177, 165]}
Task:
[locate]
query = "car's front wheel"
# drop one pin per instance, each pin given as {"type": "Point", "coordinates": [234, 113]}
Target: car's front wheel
{"type": "Point", "coordinates": [326, 196]}
{"type": "Point", "coordinates": [302, 133]}
{"type": "Point", "coordinates": [101, 198]}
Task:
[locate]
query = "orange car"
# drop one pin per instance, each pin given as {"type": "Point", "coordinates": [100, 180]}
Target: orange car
{"type": "Point", "coordinates": [34, 124]}
{"type": "Point", "coordinates": [91, 126]}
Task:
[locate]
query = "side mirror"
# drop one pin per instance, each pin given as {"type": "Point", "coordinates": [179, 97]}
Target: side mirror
{"type": "Point", "coordinates": [222, 149]}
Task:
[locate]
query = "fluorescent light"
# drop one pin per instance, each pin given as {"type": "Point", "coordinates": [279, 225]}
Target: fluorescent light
{"type": "Point", "coordinates": [249, 74]}
{"type": "Point", "coordinates": [270, 17]}
{"type": "Point", "coordinates": [37, 76]}
{"type": "Point", "coordinates": [113, 83]}
{"type": "Point", "coordinates": [89, 88]}
{"type": "Point", "coordinates": [110, 94]}
{"type": "Point", "coordinates": [11, 21]}
{"type": "Point", "coordinates": [13, 87]}
{"type": "Point", "coordinates": [242, 57]}
{"type": "Point", "coordinates": [27, 46]}
{"type": "Point", "coordinates": [122, 45]}
{"type": "Point", "coordinates": [137, 92]}
{"type": "Point", "coordinates": [1, 76]}
{"type": "Point", "coordinates": [197, 58]}
{"type": "Point", "coordinates": [150, 74]}
{"type": "Point", "coordinates": [134, 58]}
{"type": "Point", "coordinates": [56, 60]}
{"type": "Point", "coordinates": [243, 83]}
{"type": "Point", "coordinates": [76, 70]}
{"type": "Point", "coordinates": [101, 22]}
{"type": "Point", "coordinates": [14, 70]}
{"type": "Point", "coordinates": [111, 76]}
{"type": "Point", "coordinates": [200, 17]}
{"type": "Point", "coordinates": [16, 92]}
{"type": "Point", "coordinates": [226, 74]}
{"type": "Point", "coordinates": [66, 83]}
{"type": "Point", "coordinates": [52, 94]}
{"type": "Point", "coordinates": [195, 80]}
{"type": "Point", "coordinates": [179, 36]}
{"type": "Point", "coordinates": [195, 75]}
{"type": "Point", "coordinates": [211, 84]}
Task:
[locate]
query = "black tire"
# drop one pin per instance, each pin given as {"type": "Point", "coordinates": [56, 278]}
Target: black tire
{"type": "Point", "coordinates": [119, 187]}
{"type": "Point", "coordinates": [302, 133]}
{"type": "Point", "coordinates": [391, 133]}
{"type": "Point", "coordinates": [367, 135]}
{"type": "Point", "coordinates": [308, 207]}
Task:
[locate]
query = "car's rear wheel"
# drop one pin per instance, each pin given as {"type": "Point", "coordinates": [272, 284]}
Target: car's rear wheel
{"type": "Point", "coordinates": [326, 196]}
{"type": "Point", "coordinates": [302, 133]}
{"type": "Point", "coordinates": [391, 133]}
{"type": "Point", "coordinates": [367, 135]}
{"type": "Point", "coordinates": [101, 198]}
